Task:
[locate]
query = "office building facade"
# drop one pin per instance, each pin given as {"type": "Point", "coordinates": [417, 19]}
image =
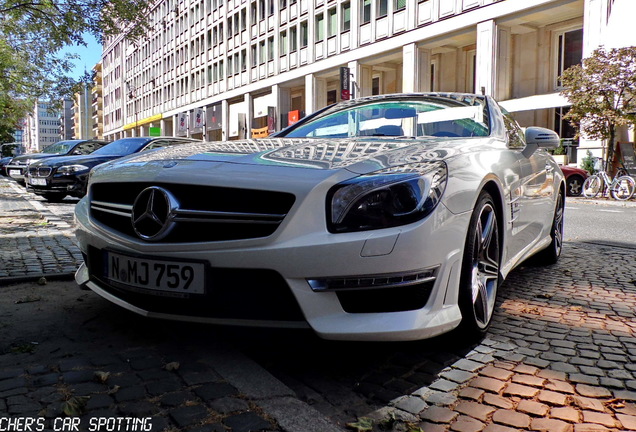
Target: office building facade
{"type": "Point", "coordinates": [230, 69]}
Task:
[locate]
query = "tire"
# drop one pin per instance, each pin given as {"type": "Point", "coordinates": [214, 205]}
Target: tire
{"type": "Point", "coordinates": [551, 254]}
{"type": "Point", "coordinates": [574, 185]}
{"type": "Point", "coordinates": [592, 186]}
{"type": "Point", "coordinates": [53, 197]}
{"type": "Point", "coordinates": [480, 275]}
{"type": "Point", "coordinates": [624, 188]}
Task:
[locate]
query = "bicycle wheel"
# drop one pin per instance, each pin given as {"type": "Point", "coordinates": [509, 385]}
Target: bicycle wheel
{"type": "Point", "coordinates": [592, 186]}
{"type": "Point", "coordinates": [623, 188]}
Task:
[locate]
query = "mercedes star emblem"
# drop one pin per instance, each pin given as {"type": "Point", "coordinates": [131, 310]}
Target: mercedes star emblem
{"type": "Point", "coordinates": [153, 213]}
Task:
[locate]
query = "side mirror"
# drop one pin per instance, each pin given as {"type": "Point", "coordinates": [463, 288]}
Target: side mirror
{"type": "Point", "coordinates": [538, 137]}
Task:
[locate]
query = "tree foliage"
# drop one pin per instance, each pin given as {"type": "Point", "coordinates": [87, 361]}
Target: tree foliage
{"type": "Point", "coordinates": [32, 33]}
{"type": "Point", "coordinates": [602, 91]}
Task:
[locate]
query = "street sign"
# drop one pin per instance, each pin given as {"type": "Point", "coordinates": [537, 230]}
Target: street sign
{"type": "Point", "coordinates": [154, 131]}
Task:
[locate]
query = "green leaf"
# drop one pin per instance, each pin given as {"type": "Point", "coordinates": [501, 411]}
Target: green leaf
{"type": "Point", "coordinates": [75, 406]}
{"type": "Point", "coordinates": [363, 424]}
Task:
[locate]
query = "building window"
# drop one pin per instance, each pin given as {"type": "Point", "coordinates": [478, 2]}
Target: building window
{"type": "Point", "coordinates": [293, 39]}
{"type": "Point", "coordinates": [345, 13]}
{"type": "Point", "coordinates": [261, 54]}
{"type": "Point", "coordinates": [382, 7]}
{"type": "Point", "coordinates": [283, 4]}
{"type": "Point", "coordinates": [365, 11]}
{"type": "Point", "coordinates": [244, 19]}
{"type": "Point", "coordinates": [332, 22]}
{"type": "Point", "coordinates": [261, 9]}
{"type": "Point", "coordinates": [399, 5]}
{"type": "Point", "coordinates": [570, 51]}
{"type": "Point", "coordinates": [304, 37]}
{"type": "Point", "coordinates": [320, 27]}
{"type": "Point", "coordinates": [271, 7]}
{"type": "Point", "coordinates": [243, 60]}
{"type": "Point", "coordinates": [270, 48]}
{"type": "Point", "coordinates": [254, 56]}
{"type": "Point", "coordinates": [282, 43]}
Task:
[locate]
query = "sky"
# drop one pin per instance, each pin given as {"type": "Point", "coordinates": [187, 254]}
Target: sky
{"type": "Point", "coordinates": [88, 55]}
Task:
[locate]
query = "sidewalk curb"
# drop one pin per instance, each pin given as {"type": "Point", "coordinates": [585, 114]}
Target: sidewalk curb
{"type": "Point", "coordinates": [14, 280]}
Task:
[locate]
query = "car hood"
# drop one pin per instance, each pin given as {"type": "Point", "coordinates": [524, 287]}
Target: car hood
{"type": "Point", "coordinates": [88, 160]}
{"type": "Point", "coordinates": [357, 155]}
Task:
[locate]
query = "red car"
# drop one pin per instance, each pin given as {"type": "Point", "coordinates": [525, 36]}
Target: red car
{"type": "Point", "coordinates": [574, 178]}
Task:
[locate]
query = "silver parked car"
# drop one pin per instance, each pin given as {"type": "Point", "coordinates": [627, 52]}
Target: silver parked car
{"type": "Point", "coordinates": [393, 217]}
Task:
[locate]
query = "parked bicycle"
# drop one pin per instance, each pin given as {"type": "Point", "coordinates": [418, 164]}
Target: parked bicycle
{"type": "Point", "coordinates": [622, 187]}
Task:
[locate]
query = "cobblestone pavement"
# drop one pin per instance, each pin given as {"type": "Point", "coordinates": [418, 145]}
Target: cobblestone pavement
{"type": "Point", "coordinates": [33, 240]}
{"type": "Point", "coordinates": [560, 356]}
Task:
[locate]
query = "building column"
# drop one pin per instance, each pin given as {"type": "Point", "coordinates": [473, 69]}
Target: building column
{"type": "Point", "coordinates": [310, 94]}
{"type": "Point", "coordinates": [361, 79]}
{"type": "Point", "coordinates": [225, 125]}
{"type": "Point", "coordinates": [493, 65]}
{"type": "Point", "coordinates": [249, 114]}
{"type": "Point", "coordinates": [416, 69]}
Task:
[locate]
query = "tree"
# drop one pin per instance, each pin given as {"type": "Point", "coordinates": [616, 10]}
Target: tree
{"type": "Point", "coordinates": [602, 91]}
{"type": "Point", "coordinates": [32, 33]}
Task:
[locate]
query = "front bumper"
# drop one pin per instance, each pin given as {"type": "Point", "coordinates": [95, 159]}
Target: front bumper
{"type": "Point", "coordinates": [434, 243]}
{"type": "Point", "coordinates": [16, 172]}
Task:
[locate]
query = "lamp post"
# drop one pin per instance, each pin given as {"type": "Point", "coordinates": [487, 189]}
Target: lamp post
{"type": "Point", "coordinates": [130, 88]}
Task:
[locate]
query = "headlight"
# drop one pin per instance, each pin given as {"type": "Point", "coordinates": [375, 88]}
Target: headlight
{"type": "Point", "coordinates": [72, 169]}
{"type": "Point", "coordinates": [387, 198]}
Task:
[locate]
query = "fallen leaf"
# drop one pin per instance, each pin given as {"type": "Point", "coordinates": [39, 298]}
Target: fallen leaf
{"type": "Point", "coordinates": [28, 299]}
{"type": "Point", "coordinates": [101, 376]}
{"type": "Point", "coordinates": [172, 366]}
{"type": "Point", "coordinates": [363, 424]}
{"type": "Point", "coordinates": [75, 406]}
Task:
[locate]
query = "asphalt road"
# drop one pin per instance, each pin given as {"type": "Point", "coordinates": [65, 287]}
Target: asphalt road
{"type": "Point", "coordinates": [610, 222]}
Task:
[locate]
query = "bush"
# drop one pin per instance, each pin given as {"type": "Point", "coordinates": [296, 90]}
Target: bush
{"type": "Point", "coordinates": [588, 163]}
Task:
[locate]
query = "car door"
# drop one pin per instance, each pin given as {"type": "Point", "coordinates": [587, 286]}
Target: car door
{"type": "Point", "coordinates": [532, 196]}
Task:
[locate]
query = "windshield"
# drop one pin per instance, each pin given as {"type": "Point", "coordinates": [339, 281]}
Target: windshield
{"type": "Point", "coordinates": [413, 117]}
{"type": "Point", "coordinates": [61, 147]}
{"type": "Point", "coordinates": [122, 147]}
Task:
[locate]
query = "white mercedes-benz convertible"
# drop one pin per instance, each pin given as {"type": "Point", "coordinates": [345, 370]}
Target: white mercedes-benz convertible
{"type": "Point", "coordinates": [393, 217]}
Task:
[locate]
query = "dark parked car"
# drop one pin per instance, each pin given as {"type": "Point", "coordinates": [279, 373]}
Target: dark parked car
{"type": "Point", "coordinates": [3, 165]}
{"type": "Point", "coordinates": [55, 178]}
{"type": "Point", "coordinates": [574, 178]}
{"type": "Point", "coordinates": [18, 165]}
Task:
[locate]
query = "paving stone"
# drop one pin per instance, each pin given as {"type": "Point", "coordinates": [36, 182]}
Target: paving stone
{"type": "Point", "coordinates": [432, 427]}
{"type": "Point", "coordinates": [593, 392]}
{"type": "Point", "coordinates": [229, 405]}
{"type": "Point", "coordinates": [215, 391]}
{"type": "Point", "coordinates": [569, 414]}
{"type": "Point", "coordinates": [214, 427]}
{"type": "Point", "coordinates": [99, 401]}
{"type": "Point", "coordinates": [164, 386]}
{"type": "Point", "coordinates": [625, 395]}
{"type": "Point", "coordinates": [498, 401]}
{"type": "Point", "coordinates": [588, 427]}
{"type": "Point", "coordinates": [488, 384]}
{"type": "Point", "coordinates": [599, 418]}
{"type": "Point", "coordinates": [13, 383]}
{"type": "Point", "coordinates": [511, 418]}
{"type": "Point", "coordinates": [552, 398]}
{"type": "Point", "coordinates": [468, 365]}
{"type": "Point", "coordinates": [443, 385]}
{"type": "Point", "coordinates": [528, 380]}
{"type": "Point", "coordinates": [475, 410]}
{"type": "Point", "coordinates": [188, 415]}
{"type": "Point", "coordinates": [441, 398]}
{"type": "Point", "coordinates": [458, 376]}
{"type": "Point", "coordinates": [513, 389]}
{"type": "Point", "coordinates": [138, 409]}
{"type": "Point", "coordinates": [78, 376]}
{"type": "Point", "coordinates": [471, 393]}
{"type": "Point", "coordinates": [437, 414]}
{"type": "Point", "coordinates": [130, 393]}
{"type": "Point", "coordinates": [411, 404]}
{"type": "Point", "coordinates": [533, 408]}
{"type": "Point", "coordinates": [497, 373]}
{"type": "Point", "coordinates": [563, 367]}
{"type": "Point", "coordinates": [550, 425]}
{"type": "Point", "coordinates": [526, 369]}
{"type": "Point", "coordinates": [552, 374]}
{"type": "Point", "coordinates": [467, 424]}
{"type": "Point", "coordinates": [584, 379]}
{"type": "Point", "coordinates": [627, 421]}
{"type": "Point", "coordinates": [498, 428]}
{"type": "Point", "coordinates": [247, 422]}
{"type": "Point", "coordinates": [560, 386]}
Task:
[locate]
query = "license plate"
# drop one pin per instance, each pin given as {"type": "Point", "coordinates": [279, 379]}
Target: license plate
{"type": "Point", "coordinates": [15, 173]}
{"type": "Point", "coordinates": [37, 181]}
{"type": "Point", "coordinates": [158, 275]}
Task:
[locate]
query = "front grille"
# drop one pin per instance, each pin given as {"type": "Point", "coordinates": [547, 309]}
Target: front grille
{"type": "Point", "coordinates": [251, 294]}
{"type": "Point", "coordinates": [40, 171]}
{"type": "Point", "coordinates": [205, 213]}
